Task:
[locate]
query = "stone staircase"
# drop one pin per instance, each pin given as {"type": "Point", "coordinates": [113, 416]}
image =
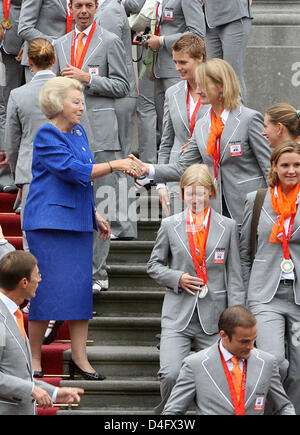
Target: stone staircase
{"type": "Point", "coordinates": [122, 342]}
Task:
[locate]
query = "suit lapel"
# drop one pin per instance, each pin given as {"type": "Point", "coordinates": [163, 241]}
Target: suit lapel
{"type": "Point", "coordinates": [13, 329]}
{"type": "Point", "coordinates": [215, 233]}
{"type": "Point", "coordinates": [215, 371]}
{"type": "Point", "coordinates": [180, 102]}
{"type": "Point", "coordinates": [96, 40]}
{"type": "Point", "coordinates": [230, 127]}
{"type": "Point", "coordinates": [255, 366]}
{"type": "Point", "coordinates": [180, 231]}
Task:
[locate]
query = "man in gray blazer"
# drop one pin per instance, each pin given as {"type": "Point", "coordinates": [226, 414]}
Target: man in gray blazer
{"type": "Point", "coordinates": [112, 17]}
{"type": "Point", "coordinates": [228, 26]}
{"type": "Point", "coordinates": [203, 377]}
{"type": "Point", "coordinates": [42, 19]}
{"type": "Point", "coordinates": [20, 393]}
{"type": "Point", "coordinates": [174, 18]}
{"type": "Point", "coordinates": [104, 75]}
{"type": "Point", "coordinates": [13, 76]}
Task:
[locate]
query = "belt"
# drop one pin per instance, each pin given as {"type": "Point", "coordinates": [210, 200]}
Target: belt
{"type": "Point", "coordinates": [286, 281]}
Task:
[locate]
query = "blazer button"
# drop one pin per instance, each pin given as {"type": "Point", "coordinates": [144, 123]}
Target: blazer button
{"type": "Point", "coordinates": [83, 149]}
{"type": "Point", "coordinates": [92, 183]}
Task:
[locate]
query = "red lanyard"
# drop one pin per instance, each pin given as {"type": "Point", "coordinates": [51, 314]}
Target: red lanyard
{"type": "Point", "coordinates": [201, 270]}
{"type": "Point", "coordinates": [69, 21]}
{"type": "Point", "coordinates": [6, 7]}
{"type": "Point", "coordinates": [158, 20]}
{"type": "Point", "coordinates": [239, 407]}
{"type": "Point", "coordinates": [286, 238]}
{"type": "Point", "coordinates": [216, 158]}
{"type": "Point", "coordinates": [86, 46]}
{"type": "Point", "coordinates": [192, 119]}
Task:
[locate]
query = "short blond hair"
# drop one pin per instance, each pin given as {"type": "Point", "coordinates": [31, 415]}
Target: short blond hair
{"type": "Point", "coordinates": [53, 94]}
{"type": "Point", "coordinates": [192, 45]}
{"type": "Point", "coordinates": [222, 74]}
{"type": "Point", "coordinates": [288, 146]}
{"type": "Point", "coordinates": [198, 173]}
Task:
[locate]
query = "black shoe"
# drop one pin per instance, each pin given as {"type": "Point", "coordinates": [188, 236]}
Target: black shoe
{"type": "Point", "coordinates": [54, 331]}
{"type": "Point", "coordinates": [38, 374]}
{"type": "Point", "coordinates": [73, 369]}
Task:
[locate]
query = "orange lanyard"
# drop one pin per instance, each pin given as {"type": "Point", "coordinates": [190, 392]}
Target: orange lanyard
{"type": "Point", "coordinates": [192, 119]}
{"type": "Point", "coordinates": [239, 407]}
{"type": "Point", "coordinates": [69, 21]}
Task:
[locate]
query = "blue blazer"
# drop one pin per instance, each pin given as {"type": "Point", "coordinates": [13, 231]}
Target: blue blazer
{"type": "Point", "coordinates": [61, 193]}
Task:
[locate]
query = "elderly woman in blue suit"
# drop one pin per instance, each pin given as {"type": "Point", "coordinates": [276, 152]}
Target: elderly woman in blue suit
{"type": "Point", "coordinates": [59, 219]}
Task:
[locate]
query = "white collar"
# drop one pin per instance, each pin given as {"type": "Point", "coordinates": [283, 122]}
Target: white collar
{"type": "Point", "coordinates": [85, 31]}
{"type": "Point", "coordinates": [43, 72]}
{"type": "Point", "coordinates": [10, 305]}
{"type": "Point", "coordinates": [226, 354]}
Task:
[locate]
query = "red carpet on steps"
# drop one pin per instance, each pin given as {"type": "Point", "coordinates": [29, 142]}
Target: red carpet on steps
{"type": "Point", "coordinates": [52, 354]}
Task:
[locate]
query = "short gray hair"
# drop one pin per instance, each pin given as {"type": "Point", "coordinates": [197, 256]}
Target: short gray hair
{"type": "Point", "coordinates": [53, 94]}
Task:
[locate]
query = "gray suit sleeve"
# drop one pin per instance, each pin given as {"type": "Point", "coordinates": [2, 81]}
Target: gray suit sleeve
{"type": "Point", "coordinates": [235, 285]}
{"type": "Point", "coordinates": [158, 267]}
{"type": "Point", "coordinates": [194, 20]}
{"type": "Point", "coordinates": [13, 133]}
{"type": "Point", "coordinates": [282, 404]}
{"type": "Point", "coordinates": [173, 172]}
{"type": "Point", "coordinates": [133, 6]}
{"type": "Point", "coordinates": [183, 392]}
{"type": "Point", "coordinates": [29, 15]}
{"type": "Point", "coordinates": [168, 135]}
{"type": "Point", "coordinates": [258, 143]}
{"type": "Point", "coordinates": [245, 239]}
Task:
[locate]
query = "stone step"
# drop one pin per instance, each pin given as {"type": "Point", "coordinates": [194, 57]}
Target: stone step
{"type": "Point", "coordinates": [147, 229]}
{"type": "Point", "coordinates": [129, 304]}
{"type": "Point", "coordinates": [130, 277]}
{"type": "Point", "coordinates": [125, 361]}
{"type": "Point", "coordinates": [135, 251]}
{"type": "Point", "coordinates": [124, 330]}
{"type": "Point", "coordinates": [142, 393]}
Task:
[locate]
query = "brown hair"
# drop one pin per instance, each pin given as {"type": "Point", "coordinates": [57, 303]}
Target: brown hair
{"type": "Point", "coordinates": [286, 115]}
{"type": "Point", "coordinates": [191, 44]}
{"type": "Point", "coordinates": [41, 53]}
{"type": "Point", "coordinates": [235, 316]}
{"type": "Point", "coordinates": [222, 74]}
{"type": "Point", "coordinates": [288, 146]}
{"type": "Point", "coordinates": [14, 266]}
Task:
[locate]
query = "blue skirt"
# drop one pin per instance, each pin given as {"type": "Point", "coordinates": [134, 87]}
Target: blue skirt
{"type": "Point", "coordinates": [65, 261]}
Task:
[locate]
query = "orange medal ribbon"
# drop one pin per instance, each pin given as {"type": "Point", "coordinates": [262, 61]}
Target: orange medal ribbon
{"type": "Point", "coordinates": [192, 119]}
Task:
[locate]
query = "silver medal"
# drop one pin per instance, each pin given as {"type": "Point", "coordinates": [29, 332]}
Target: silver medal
{"type": "Point", "coordinates": [287, 266]}
{"type": "Point", "coordinates": [203, 292]}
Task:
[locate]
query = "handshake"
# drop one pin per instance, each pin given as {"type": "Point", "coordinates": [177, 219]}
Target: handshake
{"type": "Point", "coordinates": [134, 167]}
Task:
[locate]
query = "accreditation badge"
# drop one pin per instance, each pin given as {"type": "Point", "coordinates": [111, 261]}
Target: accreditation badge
{"type": "Point", "coordinates": [235, 149]}
{"type": "Point", "coordinates": [219, 256]}
{"type": "Point", "coordinates": [259, 403]}
{"type": "Point", "coordinates": [94, 70]}
{"type": "Point", "coordinates": [169, 14]}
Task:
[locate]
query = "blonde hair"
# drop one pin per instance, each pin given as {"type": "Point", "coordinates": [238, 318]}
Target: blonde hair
{"type": "Point", "coordinates": [286, 115]}
{"type": "Point", "coordinates": [192, 45]}
{"type": "Point", "coordinates": [53, 94]}
{"type": "Point", "coordinates": [288, 146]}
{"type": "Point", "coordinates": [222, 74]}
{"type": "Point", "coordinates": [198, 173]}
{"type": "Point", "coordinates": [41, 53]}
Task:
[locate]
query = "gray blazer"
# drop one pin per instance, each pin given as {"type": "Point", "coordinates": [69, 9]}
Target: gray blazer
{"type": "Point", "coordinates": [202, 379]}
{"type": "Point", "coordinates": [12, 42]}
{"type": "Point", "coordinates": [106, 52]}
{"type": "Point", "coordinates": [16, 371]}
{"type": "Point", "coordinates": [188, 18]}
{"type": "Point", "coordinates": [171, 258]}
{"type": "Point", "coordinates": [176, 126]}
{"type": "Point", "coordinates": [239, 174]}
{"type": "Point", "coordinates": [263, 279]}
{"type": "Point", "coordinates": [112, 17]}
{"type": "Point", "coordinates": [133, 6]}
{"type": "Point", "coordinates": [42, 19]}
{"type": "Point", "coordinates": [23, 119]}
{"type": "Point", "coordinates": [219, 12]}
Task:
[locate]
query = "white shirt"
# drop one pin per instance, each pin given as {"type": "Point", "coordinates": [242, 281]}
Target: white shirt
{"type": "Point", "coordinates": [227, 357]}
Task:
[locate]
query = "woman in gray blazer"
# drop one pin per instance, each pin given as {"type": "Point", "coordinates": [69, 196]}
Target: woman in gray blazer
{"type": "Point", "coordinates": [182, 109]}
{"type": "Point", "coordinates": [282, 123]}
{"type": "Point", "coordinates": [273, 278]}
{"type": "Point", "coordinates": [196, 257]}
{"type": "Point", "coordinates": [241, 155]}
